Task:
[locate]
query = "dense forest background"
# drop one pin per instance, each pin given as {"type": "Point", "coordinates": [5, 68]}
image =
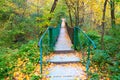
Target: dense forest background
{"type": "Point", "coordinates": [22, 22]}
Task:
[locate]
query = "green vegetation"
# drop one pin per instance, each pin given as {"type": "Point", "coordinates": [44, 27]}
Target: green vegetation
{"type": "Point", "coordinates": [22, 22]}
{"type": "Point", "coordinates": [24, 59]}
{"type": "Point", "coordinates": [108, 60]}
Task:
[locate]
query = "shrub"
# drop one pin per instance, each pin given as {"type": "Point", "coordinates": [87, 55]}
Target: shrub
{"type": "Point", "coordinates": [94, 76]}
{"type": "Point", "coordinates": [100, 56]}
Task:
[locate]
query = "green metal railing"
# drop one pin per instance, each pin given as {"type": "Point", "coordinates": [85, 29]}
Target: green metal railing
{"type": "Point", "coordinates": [47, 42]}
{"type": "Point", "coordinates": [82, 42]}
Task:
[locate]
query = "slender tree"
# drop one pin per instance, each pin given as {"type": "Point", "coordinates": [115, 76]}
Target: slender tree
{"type": "Point", "coordinates": [38, 9]}
{"type": "Point", "coordinates": [103, 24]}
{"type": "Point", "coordinates": [77, 12]}
{"type": "Point", "coordinates": [112, 5]}
{"type": "Point", "coordinates": [53, 7]}
{"type": "Point", "coordinates": [69, 11]}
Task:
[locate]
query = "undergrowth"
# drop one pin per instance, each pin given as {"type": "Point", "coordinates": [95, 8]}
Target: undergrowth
{"type": "Point", "coordinates": [19, 61]}
{"type": "Point", "coordinates": [106, 61]}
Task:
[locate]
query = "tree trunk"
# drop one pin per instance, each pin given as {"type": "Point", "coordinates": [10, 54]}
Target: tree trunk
{"type": "Point", "coordinates": [112, 5]}
{"type": "Point", "coordinates": [69, 10]}
{"type": "Point", "coordinates": [53, 7]}
{"type": "Point", "coordinates": [75, 17]}
{"type": "Point", "coordinates": [83, 9]}
{"type": "Point", "coordinates": [70, 18]}
{"type": "Point", "coordinates": [103, 25]}
{"type": "Point", "coordinates": [77, 13]}
{"type": "Point", "coordinates": [77, 2]}
{"type": "Point", "coordinates": [38, 10]}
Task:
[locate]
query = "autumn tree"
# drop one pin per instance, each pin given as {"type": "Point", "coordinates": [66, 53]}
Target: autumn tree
{"type": "Point", "coordinates": [74, 11]}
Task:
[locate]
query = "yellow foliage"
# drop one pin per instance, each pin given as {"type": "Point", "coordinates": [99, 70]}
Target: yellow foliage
{"type": "Point", "coordinates": [117, 20]}
{"type": "Point", "coordinates": [27, 77]}
{"type": "Point", "coordinates": [19, 62]}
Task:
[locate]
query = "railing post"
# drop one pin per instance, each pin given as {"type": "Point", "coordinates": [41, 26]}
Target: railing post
{"type": "Point", "coordinates": [75, 38]}
{"type": "Point", "coordinates": [41, 57]}
{"type": "Point", "coordinates": [50, 38]}
{"type": "Point", "coordinates": [89, 42]}
{"type": "Point", "coordinates": [88, 58]}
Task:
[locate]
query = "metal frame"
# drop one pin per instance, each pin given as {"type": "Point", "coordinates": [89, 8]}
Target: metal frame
{"type": "Point", "coordinates": [53, 34]}
{"type": "Point", "coordinates": [89, 42]}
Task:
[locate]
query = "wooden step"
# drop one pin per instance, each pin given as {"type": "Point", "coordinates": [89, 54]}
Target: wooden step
{"type": "Point", "coordinates": [65, 72]}
{"type": "Point", "coordinates": [64, 51]}
{"type": "Point", "coordinates": [64, 58]}
{"type": "Point", "coordinates": [64, 78]}
{"type": "Point", "coordinates": [63, 62]}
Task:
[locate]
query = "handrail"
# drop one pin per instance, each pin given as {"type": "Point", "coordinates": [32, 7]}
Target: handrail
{"type": "Point", "coordinates": [40, 41]}
{"type": "Point", "coordinates": [52, 38]}
{"type": "Point", "coordinates": [87, 37]}
{"type": "Point", "coordinates": [90, 41]}
{"type": "Point", "coordinates": [40, 48]}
